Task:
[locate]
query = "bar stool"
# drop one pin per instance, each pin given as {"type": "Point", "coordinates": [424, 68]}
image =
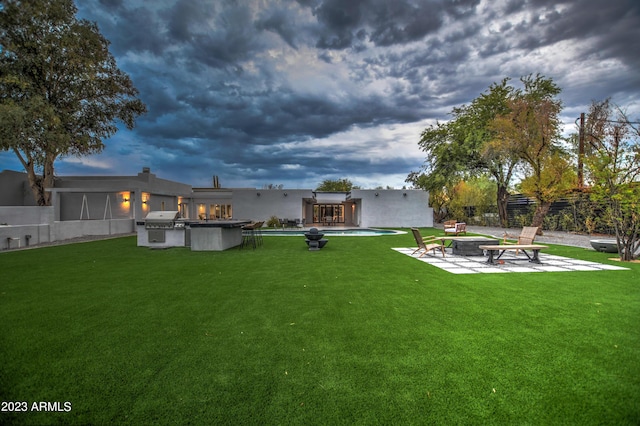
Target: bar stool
{"type": "Point", "coordinates": [257, 229]}
{"type": "Point", "coordinates": [248, 235]}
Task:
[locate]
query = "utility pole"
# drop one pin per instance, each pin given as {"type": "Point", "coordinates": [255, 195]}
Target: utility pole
{"type": "Point", "coordinates": [581, 153]}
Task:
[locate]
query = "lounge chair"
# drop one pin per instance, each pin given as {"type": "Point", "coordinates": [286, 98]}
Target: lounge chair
{"type": "Point", "coordinates": [453, 227]}
{"type": "Point", "coordinates": [426, 243]}
{"type": "Point", "coordinates": [527, 236]}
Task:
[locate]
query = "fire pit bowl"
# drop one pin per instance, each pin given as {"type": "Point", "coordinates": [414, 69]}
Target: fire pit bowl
{"type": "Point", "coordinates": [605, 246]}
{"type": "Point", "coordinates": [314, 239]}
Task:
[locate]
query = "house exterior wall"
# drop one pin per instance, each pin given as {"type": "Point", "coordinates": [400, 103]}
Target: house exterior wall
{"type": "Point", "coordinates": [392, 208]}
{"type": "Point", "coordinates": [72, 206]}
{"type": "Point", "coordinates": [282, 203]}
{"type": "Point", "coordinates": [202, 198]}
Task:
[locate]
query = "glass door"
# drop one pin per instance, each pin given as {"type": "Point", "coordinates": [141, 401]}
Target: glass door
{"type": "Point", "coordinates": [328, 214]}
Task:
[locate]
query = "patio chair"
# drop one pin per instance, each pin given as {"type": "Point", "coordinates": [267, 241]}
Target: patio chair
{"type": "Point", "coordinates": [527, 236]}
{"type": "Point", "coordinates": [455, 228]}
{"type": "Point", "coordinates": [426, 243]}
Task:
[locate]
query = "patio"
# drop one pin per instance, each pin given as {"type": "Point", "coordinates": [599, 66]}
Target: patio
{"type": "Point", "coordinates": [478, 264]}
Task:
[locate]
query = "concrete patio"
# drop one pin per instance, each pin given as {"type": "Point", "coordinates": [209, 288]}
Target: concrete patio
{"type": "Point", "coordinates": [477, 264]}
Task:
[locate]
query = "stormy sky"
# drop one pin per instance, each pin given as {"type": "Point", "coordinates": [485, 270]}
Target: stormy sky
{"type": "Point", "coordinates": [293, 92]}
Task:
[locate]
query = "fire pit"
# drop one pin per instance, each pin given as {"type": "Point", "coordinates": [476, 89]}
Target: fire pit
{"type": "Point", "coordinates": [314, 239]}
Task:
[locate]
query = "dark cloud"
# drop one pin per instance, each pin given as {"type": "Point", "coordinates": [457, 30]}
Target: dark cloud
{"type": "Point", "coordinates": [279, 21]}
{"type": "Point", "coordinates": [292, 93]}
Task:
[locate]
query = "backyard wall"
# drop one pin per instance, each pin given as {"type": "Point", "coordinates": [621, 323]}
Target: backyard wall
{"type": "Point", "coordinates": [79, 228]}
{"type": "Point", "coordinates": [26, 215]}
{"type": "Point", "coordinates": [23, 226]}
{"type": "Point", "coordinates": [15, 189]}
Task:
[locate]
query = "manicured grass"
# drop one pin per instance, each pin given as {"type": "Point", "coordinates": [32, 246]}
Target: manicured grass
{"type": "Point", "coordinates": [353, 334]}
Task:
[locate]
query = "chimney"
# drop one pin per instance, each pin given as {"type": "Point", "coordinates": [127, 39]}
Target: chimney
{"type": "Point", "coordinates": [216, 184]}
{"type": "Point", "coordinates": [146, 170]}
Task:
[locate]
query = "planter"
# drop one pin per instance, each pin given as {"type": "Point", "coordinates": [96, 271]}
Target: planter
{"type": "Point", "coordinates": [605, 246]}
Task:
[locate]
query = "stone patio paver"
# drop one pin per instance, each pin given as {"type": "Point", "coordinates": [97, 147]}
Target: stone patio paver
{"type": "Point", "coordinates": [477, 264]}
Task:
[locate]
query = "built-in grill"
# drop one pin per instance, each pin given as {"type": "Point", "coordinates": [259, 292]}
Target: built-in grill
{"type": "Point", "coordinates": [158, 222]}
{"type": "Point", "coordinates": [161, 220]}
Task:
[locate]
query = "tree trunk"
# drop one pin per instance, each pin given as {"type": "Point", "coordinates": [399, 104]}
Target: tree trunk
{"type": "Point", "coordinates": [38, 184]}
{"type": "Point", "coordinates": [627, 253]}
{"type": "Point", "coordinates": [48, 178]}
{"type": "Point", "coordinates": [503, 199]}
{"type": "Point", "coordinates": [541, 212]}
{"type": "Point", "coordinates": [627, 246]}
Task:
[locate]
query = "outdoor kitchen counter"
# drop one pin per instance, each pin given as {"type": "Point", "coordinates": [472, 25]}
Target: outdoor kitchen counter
{"type": "Point", "coordinates": [216, 235]}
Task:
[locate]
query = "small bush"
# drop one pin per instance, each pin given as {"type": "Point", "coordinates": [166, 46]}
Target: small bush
{"type": "Point", "coordinates": [273, 222]}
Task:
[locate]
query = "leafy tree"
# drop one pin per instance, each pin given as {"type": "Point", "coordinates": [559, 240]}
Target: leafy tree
{"type": "Point", "coordinates": [462, 147]}
{"type": "Point", "coordinates": [61, 92]}
{"type": "Point", "coordinates": [530, 131]}
{"type": "Point", "coordinates": [439, 195]}
{"type": "Point", "coordinates": [613, 162]}
{"type": "Point", "coordinates": [338, 185]}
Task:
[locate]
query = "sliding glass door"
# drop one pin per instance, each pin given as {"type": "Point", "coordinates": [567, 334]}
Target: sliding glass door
{"type": "Point", "coordinates": [328, 214]}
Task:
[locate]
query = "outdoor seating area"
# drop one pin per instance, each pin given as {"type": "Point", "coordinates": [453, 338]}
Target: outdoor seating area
{"type": "Point", "coordinates": [456, 264]}
{"type": "Point", "coordinates": [481, 254]}
{"type": "Point", "coordinates": [291, 223]}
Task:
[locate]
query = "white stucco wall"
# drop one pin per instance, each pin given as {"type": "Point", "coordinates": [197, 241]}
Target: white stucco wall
{"type": "Point", "coordinates": [247, 204]}
{"type": "Point", "coordinates": [392, 208]}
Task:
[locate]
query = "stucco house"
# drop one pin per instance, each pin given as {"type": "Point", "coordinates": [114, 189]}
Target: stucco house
{"type": "Point", "coordinates": [104, 205]}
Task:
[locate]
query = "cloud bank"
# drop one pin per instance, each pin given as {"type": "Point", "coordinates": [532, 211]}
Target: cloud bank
{"type": "Point", "coordinates": [268, 92]}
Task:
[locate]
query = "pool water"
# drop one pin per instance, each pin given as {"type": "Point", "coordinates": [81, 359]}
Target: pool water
{"type": "Point", "coordinates": [358, 232]}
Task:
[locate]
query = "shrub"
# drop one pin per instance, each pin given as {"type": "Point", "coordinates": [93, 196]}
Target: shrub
{"type": "Point", "coordinates": [273, 222]}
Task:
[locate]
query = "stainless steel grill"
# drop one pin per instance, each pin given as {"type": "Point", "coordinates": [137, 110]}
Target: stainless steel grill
{"type": "Point", "coordinates": [161, 220]}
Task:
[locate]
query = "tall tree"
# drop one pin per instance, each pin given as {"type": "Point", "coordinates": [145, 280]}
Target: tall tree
{"type": "Point", "coordinates": [61, 92]}
{"type": "Point", "coordinates": [531, 132]}
{"type": "Point", "coordinates": [462, 147]}
{"type": "Point", "coordinates": [613, 162]}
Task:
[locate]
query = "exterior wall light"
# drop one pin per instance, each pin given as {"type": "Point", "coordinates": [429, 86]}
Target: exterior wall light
{"type": "Point", "coordinates": [285, 194]}
{"type": "Point", "coordinates": [404, 194]}
{"type": "Point", "coordinates": [377, 194]}
{"type": "Point", "coordinates": [258, 194]}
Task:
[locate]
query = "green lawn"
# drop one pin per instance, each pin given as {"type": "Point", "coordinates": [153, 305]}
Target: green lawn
{"type": "Point", "coordinates": [353, 334]}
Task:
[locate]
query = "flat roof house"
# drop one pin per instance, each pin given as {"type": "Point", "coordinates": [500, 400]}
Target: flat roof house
{"type": "Point", "coordinates": [93, 205]}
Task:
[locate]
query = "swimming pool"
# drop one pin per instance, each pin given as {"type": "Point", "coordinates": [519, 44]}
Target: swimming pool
{"type": "Point", "coordinates": [347, 232]}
